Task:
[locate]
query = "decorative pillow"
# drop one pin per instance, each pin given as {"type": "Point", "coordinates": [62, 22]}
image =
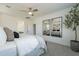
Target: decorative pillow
{"type": "Point", "coordinates": [3, 37]}
{"type": "Point", "coordinates": [9, 33]}
{"type": "Point", "coordinates": [16, 35]}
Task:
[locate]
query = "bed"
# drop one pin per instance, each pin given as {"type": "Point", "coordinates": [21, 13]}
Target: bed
{"type": "Point", "coordinates": [27, 45]}
{"type": "Point", "coordinates": [9, 49]}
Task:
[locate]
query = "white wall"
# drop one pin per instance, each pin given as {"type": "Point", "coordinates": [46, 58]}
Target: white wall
{"type": "Point", "coordinates": [67, 34]}
{"type": "Point", "coordinates": [0, 19]}
{"type": "Point", "coordinates": [29, 26]}
{"type": "Point", "coordinates": [12, 23]}
{"type": "Point", "coordinates": [9, 21]}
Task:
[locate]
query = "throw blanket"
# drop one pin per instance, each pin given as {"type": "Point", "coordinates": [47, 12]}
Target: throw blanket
{"type": "Point", "coordinates": [28, 43]}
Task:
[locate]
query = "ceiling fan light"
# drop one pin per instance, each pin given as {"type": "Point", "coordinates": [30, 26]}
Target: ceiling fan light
{"type": "Point", "coordinates": [30, 13]}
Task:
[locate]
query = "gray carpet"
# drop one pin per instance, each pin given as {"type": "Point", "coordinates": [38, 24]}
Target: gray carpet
{"type": "Point", "coordinates": [59, 50]}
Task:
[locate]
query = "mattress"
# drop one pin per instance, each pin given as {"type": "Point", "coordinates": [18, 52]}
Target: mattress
{"type": "Point", "coordinates": [9, 49]}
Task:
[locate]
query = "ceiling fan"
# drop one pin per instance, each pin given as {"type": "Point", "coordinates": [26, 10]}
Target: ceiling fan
{"type": "Point", "coordinates": [30, 11]}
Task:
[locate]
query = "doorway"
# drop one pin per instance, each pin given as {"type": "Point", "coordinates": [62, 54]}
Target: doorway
{"type": "Point", "coordinates": [34, 29]}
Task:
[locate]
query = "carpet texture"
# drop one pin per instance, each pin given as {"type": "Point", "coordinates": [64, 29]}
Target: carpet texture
{"type": "Point", "coordinates": [55, 49]}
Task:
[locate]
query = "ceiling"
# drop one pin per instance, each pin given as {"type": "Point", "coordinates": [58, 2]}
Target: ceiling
{"type": "Point", "coordinates": [43, 8]}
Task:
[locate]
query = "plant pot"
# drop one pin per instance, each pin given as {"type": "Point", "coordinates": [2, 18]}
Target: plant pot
{"type": "Point", "coordinates": [74, 45]}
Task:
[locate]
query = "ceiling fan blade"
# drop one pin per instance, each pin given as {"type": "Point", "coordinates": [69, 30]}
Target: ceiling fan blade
{"type": "Point", "coordinates": [8, 6]}
{"type": "Point", "coordinates": [30, 9]}
{"type": "Point", "coordinates": [35, 10]}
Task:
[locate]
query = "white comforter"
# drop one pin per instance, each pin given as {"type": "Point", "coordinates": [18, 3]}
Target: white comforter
{"type": "Point", "coordinates": [28, 43]}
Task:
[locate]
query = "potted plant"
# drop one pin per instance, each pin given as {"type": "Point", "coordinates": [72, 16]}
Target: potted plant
{"type": "Point", "coordinates": [72, 21]}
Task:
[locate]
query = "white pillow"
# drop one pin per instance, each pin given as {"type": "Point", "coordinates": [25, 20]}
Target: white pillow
{"type": "Point", "coordinates": [3, 36]}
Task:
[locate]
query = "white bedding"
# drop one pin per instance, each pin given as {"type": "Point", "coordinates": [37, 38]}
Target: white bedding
{"type": "Point", "coordinates": [28, 43]}
{"type": "Point", "coordinates": [9, 49]}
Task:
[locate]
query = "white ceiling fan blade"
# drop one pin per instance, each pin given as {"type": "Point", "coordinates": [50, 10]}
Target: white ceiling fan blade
{"type": "Point", "coordinates": [30, 9]}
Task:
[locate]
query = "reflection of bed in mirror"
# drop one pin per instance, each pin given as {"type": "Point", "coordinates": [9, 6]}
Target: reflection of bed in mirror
{"type": "Point", "coordinates": [56, 33]}
{"type": "Point", "coordinates": [46, 32]}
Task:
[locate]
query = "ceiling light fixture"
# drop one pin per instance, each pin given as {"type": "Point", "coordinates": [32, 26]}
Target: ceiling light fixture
{"type": "Point", "coordinates": [30, 13]}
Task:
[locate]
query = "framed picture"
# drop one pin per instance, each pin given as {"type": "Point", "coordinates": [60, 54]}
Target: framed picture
{"type": "Point", "coordinates": [53, 27]}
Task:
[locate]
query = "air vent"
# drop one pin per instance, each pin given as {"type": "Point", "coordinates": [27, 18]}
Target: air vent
{"type": "Point", "coordinates": [27, 17]}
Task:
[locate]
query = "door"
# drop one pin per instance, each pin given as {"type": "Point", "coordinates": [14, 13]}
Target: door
{"type": "Point", "coordinates": [34, 29]}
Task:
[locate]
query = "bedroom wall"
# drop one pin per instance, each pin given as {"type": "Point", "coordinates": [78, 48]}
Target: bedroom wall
{"type": "Point", "coordinates": [29, 26]}
{"type": "Point", "coordinates": [9, 21]}
{"type": "Point", "coordinates": [12, 23]}
{"type": "Point", "coordinates": [0, 19]}
{"type": "Point", "coordinates": [67, 34]}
